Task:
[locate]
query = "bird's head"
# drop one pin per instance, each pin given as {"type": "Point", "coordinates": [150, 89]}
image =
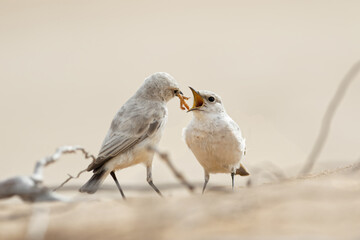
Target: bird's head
{"type": "Point", "coordinates": [206, 102]}
{"type": "Point", "coordinates": [160, 86]}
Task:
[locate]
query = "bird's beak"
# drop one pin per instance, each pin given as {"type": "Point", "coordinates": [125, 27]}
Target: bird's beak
{"type": "Point", "coordinates": [198, 100]}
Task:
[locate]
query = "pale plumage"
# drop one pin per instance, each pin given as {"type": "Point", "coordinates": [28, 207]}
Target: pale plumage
{"type": "Point", "coordinates": [138, 124]}
{"type": "Point", "coordinates": [214, 138]}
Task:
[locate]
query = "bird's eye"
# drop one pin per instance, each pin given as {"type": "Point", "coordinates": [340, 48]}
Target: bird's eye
{"type": "Point", "coordinates": [176, 92]}
{"type": "Point", "coordinates": [211, 99]}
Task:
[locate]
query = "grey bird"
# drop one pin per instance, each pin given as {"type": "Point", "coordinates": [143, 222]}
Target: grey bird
{"type": "Point", "coordinates": [214, 138]}
{"type": "Point", "coordinates": [136, 126]}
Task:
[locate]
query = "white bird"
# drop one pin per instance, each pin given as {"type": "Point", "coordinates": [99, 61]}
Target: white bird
{"type": "Point", "coordinates": [214, 138]}
{"type": "Point", "coordinates": [136, 126]}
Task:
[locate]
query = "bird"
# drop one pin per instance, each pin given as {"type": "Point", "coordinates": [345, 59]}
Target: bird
{"type": "Point", "coordinates": [214, 138]}
{"type": "Point", "coordinates": [136, 127]}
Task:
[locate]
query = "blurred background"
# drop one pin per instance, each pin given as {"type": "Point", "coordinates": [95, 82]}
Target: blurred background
{"type": "Point", "coordinates": [66, 67]}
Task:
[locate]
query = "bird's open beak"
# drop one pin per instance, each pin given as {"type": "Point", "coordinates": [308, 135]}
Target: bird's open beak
{"type": "Point", "coordinates": [198, 100]}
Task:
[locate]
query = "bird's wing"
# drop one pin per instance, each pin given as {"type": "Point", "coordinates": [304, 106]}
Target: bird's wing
{"type": "Point", "coordinates": [237, 133]}
{"type": "Point", "coordinates": [122, 142]}
{"type": "Point", "coordinates": [242, 171]}
{"type": "Point", "coordinates": [125, 136]}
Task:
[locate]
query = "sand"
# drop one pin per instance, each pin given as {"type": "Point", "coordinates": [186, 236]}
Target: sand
{"type": "Point", "coordinates": [321, 206]}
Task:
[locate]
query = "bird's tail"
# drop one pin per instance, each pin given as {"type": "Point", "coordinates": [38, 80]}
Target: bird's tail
{"type": "Point", "coordinates": [242, 171]}
{"type": "Point", "coordinates": [94, 182]}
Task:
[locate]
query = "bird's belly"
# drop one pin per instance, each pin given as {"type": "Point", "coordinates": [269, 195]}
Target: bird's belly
{"type": "Point", "coordinates": [215, 153]}
{"type": "Point", "coordinates": [139, 154]}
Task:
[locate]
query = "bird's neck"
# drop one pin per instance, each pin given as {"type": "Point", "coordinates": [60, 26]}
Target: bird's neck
{"type": "Point", "coordinates": [208, 116]}
{"type": "Point", "coordinates": [150, 96]}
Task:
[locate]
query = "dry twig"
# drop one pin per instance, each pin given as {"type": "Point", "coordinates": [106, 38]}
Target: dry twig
{"type": "Point", "coordinates": [328, 117]}
{"type": "Point", "coordinates": [30, 188]}
{"type": "Point", "coordinates": [166, 159]}
{"type": "Point", "coordinates": [69, 178]}
{"type": "Point", "coordinates": [87, 155]}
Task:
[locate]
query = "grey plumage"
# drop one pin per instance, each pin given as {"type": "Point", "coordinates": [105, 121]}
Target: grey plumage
{"type": "Point", "coordinates": [138, 124]}
{"type": "Point", "coordinates": [94, 183]}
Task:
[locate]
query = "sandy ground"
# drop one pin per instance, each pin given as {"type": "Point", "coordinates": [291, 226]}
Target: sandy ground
{"type": "Point", "coordinates": [321, 206]}
{"type": "Point", "coordinates": [66, 67]}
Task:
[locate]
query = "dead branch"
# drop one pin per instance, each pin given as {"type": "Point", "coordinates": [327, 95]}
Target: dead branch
{"type": "Point", "coordinates": [37, 175]}
{"type": "Point", "coordinates": [328, 117]}
{"type": "Point", "coordinates": [165, 157]}
{"type": "Point", "coordinates": [87, 155]}
{"type": "Point", "coordinates": [69, 178]}
{"type": "Point", "coordinates": [30, 188]}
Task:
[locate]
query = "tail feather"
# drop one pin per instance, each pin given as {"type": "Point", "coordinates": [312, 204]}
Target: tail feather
{"type": "Point", "coordinates": [242, 171]}
{"type": "Point", "coordinates": [94, 182]}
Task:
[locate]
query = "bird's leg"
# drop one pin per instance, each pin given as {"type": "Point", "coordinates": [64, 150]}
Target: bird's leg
{"type": "Point", "coordinates": [207, 176]}
{"type": "Point", "coordinates": [112, 173]}
{"type": "Point", "coordinates": [149, 180]}
{"type": "Point", "coordinates": [232, 180]}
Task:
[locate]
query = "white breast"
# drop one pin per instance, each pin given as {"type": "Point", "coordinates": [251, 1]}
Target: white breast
{"type": "Point", "coordinates": [216, 142]}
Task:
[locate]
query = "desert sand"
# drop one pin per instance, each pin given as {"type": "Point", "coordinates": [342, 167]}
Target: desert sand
{"type": "Point", "coordinates": [66, 67]}
{"type": "Point", "coordinates": [321, 206]}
